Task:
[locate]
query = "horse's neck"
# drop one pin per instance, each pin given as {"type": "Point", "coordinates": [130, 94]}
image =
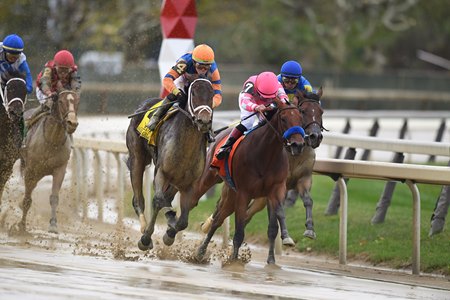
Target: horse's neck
{"type": "Point", "coordinates": [266, 141]}
{"type": "Point", "coordinates": [53, 129]}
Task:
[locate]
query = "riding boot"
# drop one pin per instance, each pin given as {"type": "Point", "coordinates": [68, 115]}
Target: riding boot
{"type": "Point", "coordinates": [235, 134]}
{"type": "Point", "coordinates": [159, 113]}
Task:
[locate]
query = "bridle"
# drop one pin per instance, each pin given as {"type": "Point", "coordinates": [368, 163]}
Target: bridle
{"type": "Point", "coordinates": [286, 135]}
{"type": "Point", "coordinates": [193, 111]}
{"type": "Point", "coordinates": [4, 94]}
{"type": "Point", "coordinates": [314, 118]}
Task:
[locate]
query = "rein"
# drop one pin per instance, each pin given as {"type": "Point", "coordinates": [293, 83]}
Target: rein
{"type": "Point", "coordinates": [280, 137]}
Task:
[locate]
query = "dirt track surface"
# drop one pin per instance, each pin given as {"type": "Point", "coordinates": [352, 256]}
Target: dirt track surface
{"type": "Point", "coordinates": [92, 260]}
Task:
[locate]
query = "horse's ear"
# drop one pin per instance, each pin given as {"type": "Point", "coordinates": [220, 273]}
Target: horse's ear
{"type": "Point", "coordinates": [320, 92]}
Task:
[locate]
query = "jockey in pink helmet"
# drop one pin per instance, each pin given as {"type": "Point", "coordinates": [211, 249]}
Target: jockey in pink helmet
{"type": "Point", "coordinates": [256, 95]}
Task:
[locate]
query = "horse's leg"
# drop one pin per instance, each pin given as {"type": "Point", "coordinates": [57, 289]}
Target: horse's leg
{"type": "Point", "coordinates": [285, 238]}
{"type": "Point", "coordinates": [240, 213]}
{"type": "Point", "coordinates": [171, 215]}
{"type": "Point", "coordinates": [224, 208]}
{"type": "Point", "coordinates": [255, 206]}
{"type": "Point", "coordinates": [158, 202]}
{"type": "Point", "coordinates": [137, 167]}
{"type": "Point", "coordinates": [30, 184]}
{"type": "Point", "coordinates": [274, 205]}
{"type": "Point", "coordinates": [173, 224]}
{"type": "Point", "coordinates": [58, 177]}
{"type": "Point", "coordinates": [291, 198]}
{"type": "Point", "coordinates": [304, 187]}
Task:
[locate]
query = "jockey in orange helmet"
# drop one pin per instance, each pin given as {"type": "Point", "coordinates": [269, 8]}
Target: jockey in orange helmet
{"type": "Point", "coordinates": [257, 93]}
{"type": "Point", "coordinates": [190, 66]}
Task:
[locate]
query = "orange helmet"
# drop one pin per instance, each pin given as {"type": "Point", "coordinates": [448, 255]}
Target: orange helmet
{"type": "Point", "coordinates": [203, 54]}
{"type": "Point", "coordinates": [64, 58]}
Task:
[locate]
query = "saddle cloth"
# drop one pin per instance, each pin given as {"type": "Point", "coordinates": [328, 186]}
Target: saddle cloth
{"type": "Point", "coordinates": [150, 136]}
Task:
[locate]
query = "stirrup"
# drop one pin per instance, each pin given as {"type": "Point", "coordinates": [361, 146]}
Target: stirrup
{"type": "Point", "coordinates": [222, 152]}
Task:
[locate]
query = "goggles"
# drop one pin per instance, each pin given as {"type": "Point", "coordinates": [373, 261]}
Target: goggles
{"type": "Point", "coordinates": [12, 56]}
{"type": "Point", "coordinates": [63, 70]}
{"type": "Point", "coordinates": [201, 66]}
{"type": "Point", "coordinates": [290, 80]}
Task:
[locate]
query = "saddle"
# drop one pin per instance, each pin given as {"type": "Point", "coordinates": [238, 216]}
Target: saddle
{"type": "Point", "coordinates": [35, 115]}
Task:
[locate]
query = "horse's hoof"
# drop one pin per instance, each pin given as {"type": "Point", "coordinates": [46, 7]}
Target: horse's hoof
{"type": "Point", "coordinates": [331, 211]}
{"type": "Point", "coordinates": [168, 241]}
{"type": "Point", "coordinates": [309, 233]}
{"type": "Point", "coordinates": [378, 219]}
{"type": "Point", "coordinates": [288, 241]}
{"type": "Point", "coordinates": [52, 228]}
{"type": "Point", "coordinates": [437, 225]}
{"type": "Point", "coordinates": [145, 243]}
{"type": "Point", "coordinates": [271, 260]}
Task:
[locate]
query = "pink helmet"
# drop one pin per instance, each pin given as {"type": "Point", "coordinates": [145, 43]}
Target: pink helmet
{"type": "Point", "coordinates": [267, 84]}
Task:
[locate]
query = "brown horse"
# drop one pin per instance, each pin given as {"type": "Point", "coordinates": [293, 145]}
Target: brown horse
{"type": "Point", "coordinates": [13, 95]}
{"type": "Point", "coordinates": [179, 159]}
{"type": "Point", "coordinates": [47, 151]}
{"type": "Point", "coordinates": [299, 180]}
{"type": "Point", "coordinates": [260, 168]}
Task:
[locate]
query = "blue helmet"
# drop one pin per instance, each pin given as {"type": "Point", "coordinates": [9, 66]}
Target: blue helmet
{"type": "Point", "coordinates": [13, 44]}
{"type": "Point", "coordinates": [291, 69]}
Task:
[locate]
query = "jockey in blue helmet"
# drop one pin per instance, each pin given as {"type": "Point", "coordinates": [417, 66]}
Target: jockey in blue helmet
{"type": "Point", "coordinates": [12, 58]}
{"type": "Point", "coordinates": [291, 79]}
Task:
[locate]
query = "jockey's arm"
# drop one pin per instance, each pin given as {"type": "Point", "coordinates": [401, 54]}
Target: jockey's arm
{"type": "Point", "coordinates": [216, 84]}
{"type": "Point", "coordinates": [28, 79]}
{"type": "Point", "coordinates": [174, 72]}
{"type": "Point", "coordinates": [75, 82]}
{"type": "Point", "coordinates": [45, 83]}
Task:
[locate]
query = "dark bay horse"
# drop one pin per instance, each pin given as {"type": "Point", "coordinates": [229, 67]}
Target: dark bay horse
{"type": "Point", "coordinates": [13, 95]}
{"type": "Point", "coordinates": [260, 168]}
{"type": "Point", "coordinates": [47, 151]}
{"type": "Point", "coordinates": [299, 180]}
{"type": "Point", "coordinates": [179, 158]}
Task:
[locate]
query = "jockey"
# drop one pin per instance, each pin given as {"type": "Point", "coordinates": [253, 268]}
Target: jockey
{"type": "Point", "coordinates": [292, 80]}
{"type": "Point", "coordinates": [13, 58]}
{"type": "Point", "coordinates": [257, 93]}
{"type": "Point", "coordinates": [190, 66]}
{"type": "Point", "coordinates": [58, 74]}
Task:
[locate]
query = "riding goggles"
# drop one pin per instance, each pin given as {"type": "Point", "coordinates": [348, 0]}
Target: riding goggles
{"type": "Point", "coordinates": [201, 66]}
{"type": "Point", "coordinates": [290, 80]}
{"type": "Point", "coordinates": [12, 56]}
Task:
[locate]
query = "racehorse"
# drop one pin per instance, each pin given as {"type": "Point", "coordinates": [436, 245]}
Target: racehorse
{"type": "Point", "coordinates": [259, 169]}
{"type": "Point", "coordinates": [47, 151]}
{"type": "Point", "coordinates": [13, 96]}
{"type": "Point", "coordinates": [179, 158]}
{"type": "Point", "coordinates": [299, 180]}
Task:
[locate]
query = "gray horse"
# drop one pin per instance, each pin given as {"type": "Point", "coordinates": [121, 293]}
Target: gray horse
{"type": "Point", "coordinates": [179, 158]}
{"type": "Point", "coordinates": [47, 151]}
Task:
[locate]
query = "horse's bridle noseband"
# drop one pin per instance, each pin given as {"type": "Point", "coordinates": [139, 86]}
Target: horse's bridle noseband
{"type": "Point", "coordinates": [6, 103]}
{"type": "Point", "coordinates": [191, 110]}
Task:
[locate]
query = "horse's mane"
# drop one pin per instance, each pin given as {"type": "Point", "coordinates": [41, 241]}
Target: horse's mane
{"type": "Point", "coordinates": [12, 74]}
